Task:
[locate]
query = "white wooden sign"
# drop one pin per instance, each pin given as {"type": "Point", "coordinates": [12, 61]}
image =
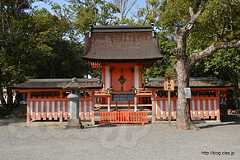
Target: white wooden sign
{"type": "Point", "coordinates": [169, 84]}
{"type": "Point", "coordinates": [187, 92]}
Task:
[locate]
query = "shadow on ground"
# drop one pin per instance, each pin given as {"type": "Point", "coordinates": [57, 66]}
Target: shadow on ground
{"type": "Point", "coordinates": [226, 121]}
{"type": "Point", "coordinates": [8, 121]}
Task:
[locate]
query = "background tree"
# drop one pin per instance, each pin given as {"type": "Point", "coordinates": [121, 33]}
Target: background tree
{"type": "Point", "coordinates": [225, 66]}
{"type": "Point", "coordinates": [35, 44]}
{"type": "Point", "coordinates": [14, 39]}
{"type": "Point", "coordinates": [53, 54]}
{"type": "Point", "coordinates": [92, 12]}
{"type": "Point", "coordinates": [150, 13]}
{"type": "Point", "coordinates": [124, 8]}
{"type": "Point", "coordinates": [200, 28]}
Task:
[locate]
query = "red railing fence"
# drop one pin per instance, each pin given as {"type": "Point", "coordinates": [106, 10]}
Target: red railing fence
{"type": "Point", "coordinates": [123, 117]}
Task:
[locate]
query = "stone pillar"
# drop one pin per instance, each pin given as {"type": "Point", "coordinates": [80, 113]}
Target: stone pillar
{"type": "Point", "coordinates": [74, 120]}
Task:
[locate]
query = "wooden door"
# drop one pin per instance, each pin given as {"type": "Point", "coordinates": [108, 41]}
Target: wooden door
{"type": "Point", "coordinates": [122, 78]}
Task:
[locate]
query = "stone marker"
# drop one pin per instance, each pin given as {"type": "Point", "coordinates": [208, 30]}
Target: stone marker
{"type": "Point", "coordinates": [74, 120]}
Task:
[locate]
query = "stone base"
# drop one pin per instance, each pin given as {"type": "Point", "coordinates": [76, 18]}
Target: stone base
{"type": "Point", "coordinates": [88, 124]}
{"type": "Point", "coordinates": [74, 123]}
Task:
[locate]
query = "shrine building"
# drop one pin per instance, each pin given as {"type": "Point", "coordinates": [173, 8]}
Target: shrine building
{"type": "Point", "coordinates": [121, 95]}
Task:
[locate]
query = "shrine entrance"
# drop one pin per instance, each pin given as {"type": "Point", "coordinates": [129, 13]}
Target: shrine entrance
{"type": "Point", "coordinates": [122, 84]}
{"type": "Point", "coordinates": [122, 77]}
{"type": "Point", "coordinates": [120, 55]}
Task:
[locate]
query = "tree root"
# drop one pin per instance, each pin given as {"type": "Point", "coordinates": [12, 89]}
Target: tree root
{"type": "Point", "coordinates": [193, 126]}
{"type": "Point", "coordinates": [188, 126]}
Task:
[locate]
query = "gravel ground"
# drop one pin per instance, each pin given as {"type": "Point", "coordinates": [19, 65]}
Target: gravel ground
{"type": "Point", "coordinates": [149, 142]}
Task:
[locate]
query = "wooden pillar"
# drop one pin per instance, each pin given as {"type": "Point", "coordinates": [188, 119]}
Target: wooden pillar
{"type": "Point", "coordinates": [42, 110]}
{"type": "Point", "coordinates": [59, 110]}
{"type": "Point", "coordinates": [28, 108]}
{"type": "Point", "coordinates": [92, 104]}
{"type": "Point", "coordinates": [136, 85]}
{"type": "Point", "coordinates": [28, 112]}
{"type": "Point", "coordinates": [135, 103]}
{"type": "Point", "coordinates": [153, 98]}
{"type": "Point", "coordinates": [62, 93]}
{"type": "Point", "coordinates": [85, 104]}
{"type": "Point", "coordinates": [107, 77]}
{"type": "Point", "coordinates": [109, 103]}
{"type": "Point", "coordinates": [136, 77]}
{"type": "Point", "coordinates": [169, 107]}
{"type": "Point", "coordinates": [218, 106]}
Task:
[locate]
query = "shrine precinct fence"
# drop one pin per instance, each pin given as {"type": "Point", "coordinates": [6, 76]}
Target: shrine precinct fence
{"type": "Point", "coordinates": [202, 107]}
{"type": "Point", "coordinates": [57, 109]}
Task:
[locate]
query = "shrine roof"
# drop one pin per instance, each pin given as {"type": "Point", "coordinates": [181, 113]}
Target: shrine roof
{"type": "Point", "coordinates": [122, 43]}
{"type": "Point", "coordinates": [194, 82]}
{"type": "Point", "coordinates": [59, 83]}
{"type": "Point", "coordinates": [122, 28]}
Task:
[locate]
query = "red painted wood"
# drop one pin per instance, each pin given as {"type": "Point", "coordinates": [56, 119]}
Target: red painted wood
{"type": "Point", "coordinates": [56, 109]}
{"type": "Point", "coordinates": [123, 117]}
{"type": "Point", "coordinates": [197, 112]}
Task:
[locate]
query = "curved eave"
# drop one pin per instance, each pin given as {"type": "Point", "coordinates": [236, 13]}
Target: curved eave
{"type": "Point", "coordinates": [147, 60]}
{"type": "Point", "coordinates": [40, 88]}
{"type": "Point", "coordinates": [205, 87]}
{"type": "Point", "coordinates": [85, 87]}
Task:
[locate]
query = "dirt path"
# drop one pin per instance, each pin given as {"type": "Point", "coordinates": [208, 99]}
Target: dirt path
{"type": "Point", "coordinates": [213, 141]}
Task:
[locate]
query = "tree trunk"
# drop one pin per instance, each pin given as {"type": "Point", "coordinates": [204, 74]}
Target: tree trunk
{"type": "Point", "coordinates": [3, 102]}
{"type": "Point", "coordinates": [183, 114]}
{"type": "Point", "coordinates": [10, 99]}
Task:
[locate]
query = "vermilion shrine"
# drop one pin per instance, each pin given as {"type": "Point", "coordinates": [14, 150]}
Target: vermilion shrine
{"type": "Point", "coordinates": [121, 95]}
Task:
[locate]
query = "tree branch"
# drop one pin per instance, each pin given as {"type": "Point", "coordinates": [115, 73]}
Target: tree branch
{"type": "Point", "coordinates": [193, 17]}
{"type": "Point", "coordinates": [209, 51]}
{"type": "Point", "coordinates": [130, 7]}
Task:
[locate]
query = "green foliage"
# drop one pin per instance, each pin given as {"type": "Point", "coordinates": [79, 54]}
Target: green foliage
{"type": "Point", "coordinates": [92, 12]}
{"type": "Point", "coordinates": [85, 17]}
{"type": "Point", "coordinates": [36, 44]}
{"type": "Point", "coordinates": [53, 54]}
{"type": "Point", "coordinates": [219, 21]}
{"type": "Point", "coordinates": [224, 64]}
{"type": "Point", "coordinates": [150, 13]}
{"type": "Point", "coordinates": [165, 66]}
{"type": "Point", "coordinates": [14, 41]}
{"type": "Point", "coordinates": [174, 13]}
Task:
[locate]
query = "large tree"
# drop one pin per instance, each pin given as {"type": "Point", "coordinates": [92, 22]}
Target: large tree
{"type": "Point", "coordinates": [35, 43]}
{"type": "Point", "coordinates": [14, 39]}
{"type": "Point", "coordinates": [54, 54]}
{"type": "Point", "coordinates": [200, 29]}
